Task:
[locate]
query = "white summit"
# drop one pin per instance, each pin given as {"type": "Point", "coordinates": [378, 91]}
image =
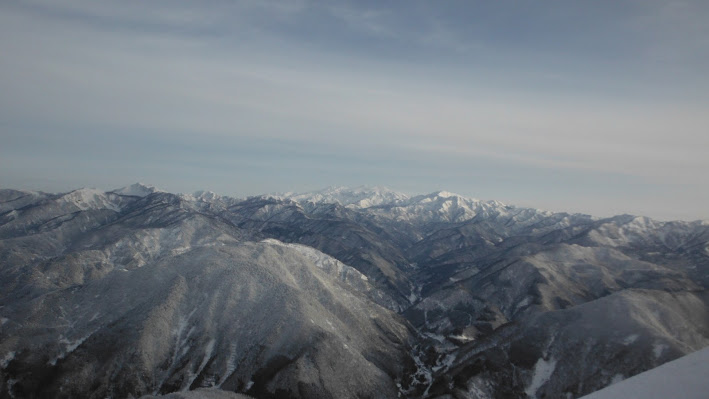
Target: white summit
{"type": "Point", "coordinates": [137, 190]}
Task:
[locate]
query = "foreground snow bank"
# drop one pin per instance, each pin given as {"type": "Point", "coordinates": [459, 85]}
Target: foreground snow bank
{"type": "Point", "coordinates": [685, 378]}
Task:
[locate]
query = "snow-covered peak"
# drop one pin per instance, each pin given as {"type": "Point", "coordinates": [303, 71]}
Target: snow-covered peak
{"type": "Point", "coordinates": [439, 208]}
{"type": "Point", "coordinates": [446, 194]}
{"type": "Point", "coordinates": [442, 196]}
{"type": "Point", "coordinates": [206, 195]}
{"type": "Point", "coordinates": [137, 190]}
{"type": "Point", "coordinates": [629, 230]}
{"type": "Point", "coordinates": [358, 197]}
{"type": "Point", "coordinates": [89, 198]}
{"type": "Point", "coordinates": [443, 206]}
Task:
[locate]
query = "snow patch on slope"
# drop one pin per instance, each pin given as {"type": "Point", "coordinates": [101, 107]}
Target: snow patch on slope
{"type": "Point", "coordinates": [7, 359]}
{"type": "Point", "coordinates": [70, 347]}
{"type": "Point", "coordinates": [191, 377]}
{"type": "Point", "coordinates": [542, 372]}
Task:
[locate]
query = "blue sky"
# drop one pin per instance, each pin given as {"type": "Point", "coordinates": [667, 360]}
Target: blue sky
{"type": "Point", "coordinates": [596, 107]}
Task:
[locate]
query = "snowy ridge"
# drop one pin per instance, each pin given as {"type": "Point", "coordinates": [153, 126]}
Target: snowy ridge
{"type": "Point", "coordinates": [344, 273]}
{"type": "Point", "coordinates": [440, 206]}
{"type": "Point", "coordinates": [358, 197]}
{"type": "Point", "coordinates": [15, 199]}
{"type": "Point", "coordinates": [90, 198]}
{"type": "Point", "coordinates": [627, 230]}
{"type": "Point", "coordinates": [320, 259]}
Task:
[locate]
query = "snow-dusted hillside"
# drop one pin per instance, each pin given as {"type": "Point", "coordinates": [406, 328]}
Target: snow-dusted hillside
{"type": "Point", "coordinates": [153, 297]}
{"type": "Point", "coordinates": [337, 293]}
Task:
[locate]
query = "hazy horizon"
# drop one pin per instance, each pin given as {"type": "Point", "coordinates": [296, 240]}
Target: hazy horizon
{"type": "Point", "coordinates": [598, 108]}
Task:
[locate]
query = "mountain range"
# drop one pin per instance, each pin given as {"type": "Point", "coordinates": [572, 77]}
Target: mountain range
{"type": "Point", "coordinates": [339, 293]}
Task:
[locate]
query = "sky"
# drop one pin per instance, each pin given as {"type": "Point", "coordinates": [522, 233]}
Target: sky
{"type": "Point", "coordinates": [596, 107]}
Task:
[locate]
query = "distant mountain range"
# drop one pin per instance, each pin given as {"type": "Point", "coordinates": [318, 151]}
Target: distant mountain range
{"type": "Point", "coordinates": [339, 293]}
